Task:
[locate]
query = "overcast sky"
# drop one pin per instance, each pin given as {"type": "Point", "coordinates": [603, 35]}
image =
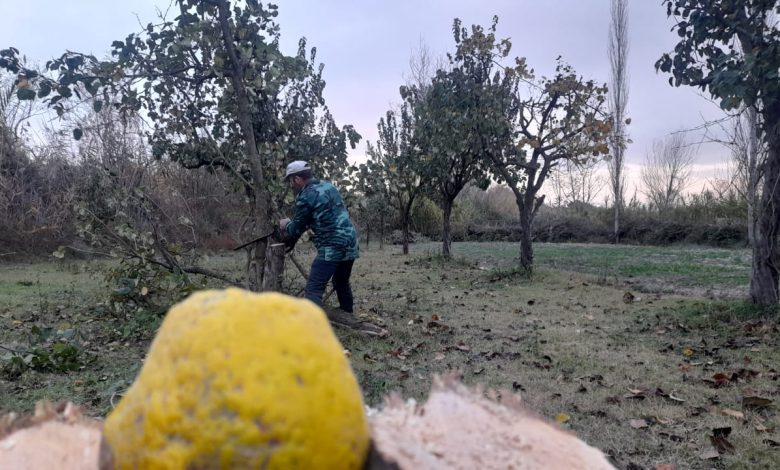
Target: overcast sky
{"type": "Point", "coordinates": [366, 45]}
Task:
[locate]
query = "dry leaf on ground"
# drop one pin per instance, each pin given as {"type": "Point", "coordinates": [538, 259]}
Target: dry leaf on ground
{"type": "Point", "coordinates": [709, 454]}
{"type": "Point", "coordinates": [638, 423]}
{"type": "Point", "coordinates": [755, 402]}
{"type": "Point", "coordinates": [718, 439]}
{"type": "Point", "coordinates": [732, 413]}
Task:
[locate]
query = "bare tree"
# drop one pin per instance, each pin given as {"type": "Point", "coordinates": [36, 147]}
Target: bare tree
{"type": "Point", "coordinates": [14, 113]}
{"type": "Point", "coordinates": [744, 137]}
{"type": "Point", "coordinates": [617, 50]}
{"type": "Point", "coordinates": [576, 183]}
{"type": "Point", "coordinates": [423, 64]}
{"type": "Point", "coordinates": [35, 190]}
{"type": "Point", "coordinates": [748, 153]}
{"type": "Point", "coordinates": [667, 171]}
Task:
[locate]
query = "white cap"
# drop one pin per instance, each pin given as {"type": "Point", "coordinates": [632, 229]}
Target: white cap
{"type": "Point", "coordinates": [296, 167]}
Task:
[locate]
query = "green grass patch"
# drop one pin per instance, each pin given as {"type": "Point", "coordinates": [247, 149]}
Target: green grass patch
{"type": "Point", "coordinates": [680, 266]}
{"type": "Point", "coordinates": [717, 314]}
{"type": "Point", "coordinates": [432, 259]}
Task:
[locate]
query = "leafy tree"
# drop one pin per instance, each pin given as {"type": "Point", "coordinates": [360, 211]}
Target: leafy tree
{"type": "Point", "coordinates": [556, 119]}
{"type": "Point", "coordinates": [731, 49]}
{"type": "Point", "coordinates": [220, 94]}
{"type": "Point", "coordinates": [369, 188]}
{"type": "Point", "coordinates": [122, 209]}
{"type": "Point", "coordinates": [377, 214]}
{"type": "Point", "coordinates": [400, 166]}
{"type": "Point", "coordinates": [459, 118]}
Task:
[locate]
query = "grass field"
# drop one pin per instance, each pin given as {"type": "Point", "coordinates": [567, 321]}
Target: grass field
{"type": "Point", "coordinates": [689, 269]}
{"type": "Point", "coordinates": [641, 351]}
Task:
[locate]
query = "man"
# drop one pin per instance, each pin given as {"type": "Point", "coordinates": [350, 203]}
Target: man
{"type": "Point", "coordinates": [319, 207]}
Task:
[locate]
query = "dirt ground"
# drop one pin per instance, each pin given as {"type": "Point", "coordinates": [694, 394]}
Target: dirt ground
{"type": "Point", "coordinates": [644, 376]}
{"type": "Point", "coordinates": [650, 375]}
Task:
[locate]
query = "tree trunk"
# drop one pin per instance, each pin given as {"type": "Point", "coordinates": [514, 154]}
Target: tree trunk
{"type": "Point", "coordinates": [405, 229]}
{"type": "Point", "coordinates": [262, 198]}
{"type": "Point", "coordinates": [446, 231]}
{"type": "Point", "coordinates": [765, 276]}
{"type": "Point", "coordinates": [617, 222]}
{"type": "Point", "coordinates": [274, 267]}
{"type": "Point", "coordinates": [752, 220]}
{"type": "Point", "coordinates": [381, 230]}
{"type": "Point", "coordinates": [368, 234]}
{"type": "Point", "coordinates": [526, 246]}
{"type": "Point", "coordinates": [256, 265]}
{"type": "Point", "coordinates": [406, 221]}
{"type": "Point", "coordinates": [751, 192]}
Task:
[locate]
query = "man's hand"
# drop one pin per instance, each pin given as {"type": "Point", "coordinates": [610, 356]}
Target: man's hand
{"type": "Point", "coordinates": [289, 244]}
{"type": "Point", "coordinates": [283, 223]}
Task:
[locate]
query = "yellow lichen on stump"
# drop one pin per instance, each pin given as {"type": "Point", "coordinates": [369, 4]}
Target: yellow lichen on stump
{"type": "Point", "coordinates": [236, 379]}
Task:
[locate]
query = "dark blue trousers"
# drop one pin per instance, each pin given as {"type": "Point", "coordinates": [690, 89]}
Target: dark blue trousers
{"type": "Point", "coordinates": [322, 272]}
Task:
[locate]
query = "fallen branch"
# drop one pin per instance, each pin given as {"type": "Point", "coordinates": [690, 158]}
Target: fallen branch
{"type": "Point", "coordinates": [210, 273]}
{"type": "Point", "coordinates": [15, 351]}
{"type": "Point", "coordinates": [341, 318]}
{"type": "Point", "coordinates": [191, 270]}
{"type": "Point", "coordinates": [298, 265]}
{"type": "Point", "coordinates": [89, 252]}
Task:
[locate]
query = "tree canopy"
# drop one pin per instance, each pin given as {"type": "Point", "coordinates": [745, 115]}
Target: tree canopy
{"type": "Point", "coordinates": [731, 48]}
{"type": "Point", "coordinates": [217, 91]}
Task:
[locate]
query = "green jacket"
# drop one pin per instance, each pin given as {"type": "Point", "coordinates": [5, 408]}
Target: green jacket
{"type": "Point", "coordinates": [319, 207]}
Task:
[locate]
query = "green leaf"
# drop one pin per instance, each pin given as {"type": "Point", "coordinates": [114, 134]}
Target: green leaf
{"type": "Point", "coordinates": [25, 94]}
{"type": "Point", "coordinates": [77, 133]}
{"type": "Point", "coordinates": [44, 90]}
{"type": "Point", "coordinates": [64, 91]}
